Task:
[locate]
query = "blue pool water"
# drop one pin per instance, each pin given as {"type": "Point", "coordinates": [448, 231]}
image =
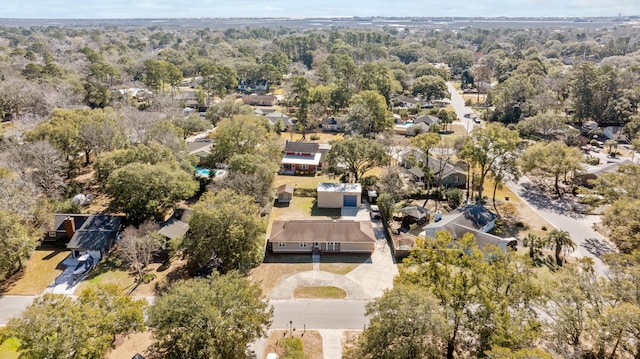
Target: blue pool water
{"type": "Point", "coordinates": [405, 125]}
{"type": "Point", "coordinates": [204, 171]}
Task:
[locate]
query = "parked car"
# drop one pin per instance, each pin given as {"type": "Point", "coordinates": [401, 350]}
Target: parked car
{"type": "Point", "coordinates": [85, 264]}
{"type": "Point", "coordinates": [375, 212]}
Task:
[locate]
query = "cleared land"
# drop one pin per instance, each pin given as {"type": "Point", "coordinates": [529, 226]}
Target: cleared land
{"type": "Point", "coordinates": [127, 347]}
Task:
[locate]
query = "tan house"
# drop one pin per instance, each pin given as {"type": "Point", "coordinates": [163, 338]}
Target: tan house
{"type": "Point", "coordinates": [304, 236]}
{"type": "Point", "coordinates": [339, 195]}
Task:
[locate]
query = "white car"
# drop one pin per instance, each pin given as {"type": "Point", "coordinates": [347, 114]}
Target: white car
{"type": "Point", "coordinates": [272, 356]}
{"type": "Point", "coordinates": [375, 212]}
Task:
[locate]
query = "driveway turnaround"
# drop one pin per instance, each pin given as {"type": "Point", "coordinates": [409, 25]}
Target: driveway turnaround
{"type": "Point", "coordinates": [285, 287]}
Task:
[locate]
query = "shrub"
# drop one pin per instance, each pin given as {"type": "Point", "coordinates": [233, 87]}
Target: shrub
{"type": "Point", "coordinates": [468, 102]}
{"type": "Point", "coordinates": [544, 228]}
{"type": "Point", "coordinates": [315, 137]}
{"type": "Point", "coordinates": [454, 197]}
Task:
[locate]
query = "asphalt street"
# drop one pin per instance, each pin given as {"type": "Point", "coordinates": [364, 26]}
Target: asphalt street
{"type": "Point", "coordinates": [319, 314]}
{"type": "Point", "coordinates": [457, 102]}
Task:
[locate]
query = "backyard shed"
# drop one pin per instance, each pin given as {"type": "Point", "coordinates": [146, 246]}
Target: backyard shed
{"type": "Point", "coordinates": [285, 193]}
{"type": "Point", "coordinates": [339, 195]}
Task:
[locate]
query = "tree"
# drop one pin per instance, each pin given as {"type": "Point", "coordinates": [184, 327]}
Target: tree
{"type": "Point", "coordinates": [535, 244]}
{"type": "Point", "coordinates": [544, 124]}
{"type": "Point", "coordinates": [355, 155]}
{"type": "Point", "coordinates": [376, 77]}
{"type": "Point", "coordinates": [559, 240]}
{"type": "Point", "coordinates": [138, 246]}
{"type": "Point", "coordinates": [406, 322]}
{"type": "Point", "coordinates": [252, 174]}
{"type": "Point", "coordinates": [554, 159]}
{"type": "Point", "coordinates": [152, 154]}
{"type": "Point", "coordinates": [368, 113]}
{"type": "Point", "coordinates": [16, 244]}
{"type": "Point", "coordinates": [227, 108]}
{"type": "Point", "coordinates": [430, 87]}
{"type": "Point", "coordinates": [167, 134]}
{"type": "Point", "coordinates": [487, 146]}
{"type": "Point", "coordinates": [301, 93]}
{"type": "Point", "coordinates": [56, 326]}
{"type": "Point", "coordinates": [40, 164]}
{"type": "Point", "coordinates": [191, 125]}
{"type": "Point", "coordinates": [215, 317]}
{"type": "Point", "coordinates": [225, 231]}
{"type": "Point", "coordinates": [145, 191]}
{"type": "Point", "coordinates": [241, 135]}
{"type": "Point", "coordinates": [583, 76]}
{"type": "Point", "coordinates": [623, 219]}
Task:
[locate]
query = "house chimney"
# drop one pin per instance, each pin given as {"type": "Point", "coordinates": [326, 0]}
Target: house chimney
{"type": "Point", "coordinates": [69, 226]}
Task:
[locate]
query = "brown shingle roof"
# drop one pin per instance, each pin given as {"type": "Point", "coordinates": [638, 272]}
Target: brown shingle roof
{"type": "Point", "coordinates": [322, 231]}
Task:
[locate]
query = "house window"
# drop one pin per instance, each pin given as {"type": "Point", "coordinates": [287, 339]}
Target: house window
{"type": "Point", "coordinates": [455, 179]}
{"type": "Point", "coordinates": [303, 244]}
{"type": "Point", "coordinates": [304, 167]}
{"type": "Point", "coordinates": [282, 244]}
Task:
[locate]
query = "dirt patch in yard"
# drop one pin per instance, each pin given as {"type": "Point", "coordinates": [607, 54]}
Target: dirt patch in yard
{"type": "Point", "coordinates": [127, 347]}
{"type": "Point", "coordinates": [350, 339]}
{"type": "Point", "coordinates": [311, 342]}
{"type": "Point", "coordinates": [44, 266]}
{"type": "Point", "coordinates": [277, 267]}
{"type": "Point", "coordinates": [324, 137]}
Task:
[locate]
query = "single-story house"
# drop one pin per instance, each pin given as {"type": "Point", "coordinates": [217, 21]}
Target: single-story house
{"type": "Point", "coordinates": [339, 195]}
{"type": "Point", "coordinates": [405, 101]}
{"type": "Point", "coordinates": [445, 173]}
{"type": "Point", "coordinates": [86, 233]}
{"type": "Point", "coordinates": [326, 236]}
{"type": "Point", "coordinates": [260, 100]}
{"type": "Point", "coordinates": [427, 119]}
{"type": "Point", "coordinates": [302, 158]}
{"type": "Point", "coordinates": [331, 124]}
{"type": "Point", "coordinates": [285, 193]}
{"type": "Point", "coordinates": [615, 133]}
{"type": "Point", "coordinates": [475, 219]}
{"type": "Point", "coordinates": [417, 176]}
{"type": "Point", "coordinates": [416, 129]}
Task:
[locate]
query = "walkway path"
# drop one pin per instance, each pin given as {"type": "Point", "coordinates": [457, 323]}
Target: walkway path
{"type": "Point", "coordinates": [332, 343]}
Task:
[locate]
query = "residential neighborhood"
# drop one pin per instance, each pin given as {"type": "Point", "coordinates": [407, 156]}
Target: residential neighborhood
{"type": "Point", "coordinates": [400, 191]}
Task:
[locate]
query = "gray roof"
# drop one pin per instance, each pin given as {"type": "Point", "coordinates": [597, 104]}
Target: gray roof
{"type": "Point", "coordinates": [428, 119]}
{"type": "Point", "coordinates": [416, 171]}
{"type": "Point", "coordinates": [302, 147]}
{"type": "Point", "coordinates": [415, 212]}
{"type": "Point", "coordinates": [96, 232]}
{"type": "Point", "coordinates": [474, 216]}
{"type": "Point", "coordinates": [174, 229]}
{"type": "Point", "coordinates": [322, 231]}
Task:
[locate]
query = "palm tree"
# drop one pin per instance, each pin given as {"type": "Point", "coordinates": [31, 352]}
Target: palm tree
{"type": "Point", "coordinates": [535, 243]}
{"type": "Point", "coordinates": [560, 240]}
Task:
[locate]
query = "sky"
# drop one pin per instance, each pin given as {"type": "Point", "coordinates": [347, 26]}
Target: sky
{"type": "Point", "coordinates": [118, 9]}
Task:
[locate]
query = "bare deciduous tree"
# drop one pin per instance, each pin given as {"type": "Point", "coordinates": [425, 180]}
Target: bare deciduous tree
{"type": "Point", "coordinates": [138, 246]}
{"type": "Point", "coordinates": [38, 163]}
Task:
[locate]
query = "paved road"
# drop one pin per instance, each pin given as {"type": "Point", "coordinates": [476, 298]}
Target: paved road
{"type": "Point", "coordinates": [12, 305]}
{"type": "Point", "coordinates": [319, 314]}
{"type": "Point", "coordinates": [560, 214]}
{"type": "Point", "coordinates": [457, 102]}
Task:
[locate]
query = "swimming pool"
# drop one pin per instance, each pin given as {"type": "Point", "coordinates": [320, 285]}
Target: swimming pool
{"type": "Point", "coordinates": [204, 172]}
{"type": "Point", "coordinates": [405, 125]}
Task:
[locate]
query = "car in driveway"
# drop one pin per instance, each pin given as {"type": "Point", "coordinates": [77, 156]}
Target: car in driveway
{"type": "Point", "coordinates": [375, 212]}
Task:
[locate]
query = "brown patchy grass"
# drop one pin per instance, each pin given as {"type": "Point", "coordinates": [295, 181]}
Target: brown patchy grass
{"type": "Point", "coordinates": [311, 343]}
{"type": "Point", "coordinates": [319, 292]}
{"type": "Point", "coordinates": [349, 339]}
{"type": "Point", "coordinates": [41, 270]}
{"type": "Point", "coordinates": [267, 275]}
{"type": "Point", "coordinates": [325, 137]}
{"type": "Point", "coordinates": [338, 268]}
{"type": "Point", "coordinates": [474, 97]}
{"type": "Point", "coordinates": [127, 347]}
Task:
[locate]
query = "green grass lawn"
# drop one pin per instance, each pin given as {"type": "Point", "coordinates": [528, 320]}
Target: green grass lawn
{"type": "Point", "coordinates": [303, 181]}
{"type": "Point", "coordinates": [9, 348]}
{"type": "Point", "coordinates": [319, 292]}
{"type": "Point", "coordinates": [108, 272]}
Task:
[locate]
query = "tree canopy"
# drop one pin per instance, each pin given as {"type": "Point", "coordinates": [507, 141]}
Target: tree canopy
{"type": "Point", "coordinates": [355, 155]}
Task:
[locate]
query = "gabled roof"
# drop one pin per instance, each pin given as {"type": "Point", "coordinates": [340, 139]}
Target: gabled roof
{"type": "Point", "coordinates": [95, 232]}
{"type": "Point", "coordinates": [474, 216]}
{"type": "Point", "coordinates": [322, 231]}
{"type": "Point", "coordinates": [406, 99]}
{"type": "Point", "coordinates": [416, 171]}
{"type": "Point", "coordinates": [415, 212]}
{"type": "Point", "coordinates": [286, 188]}
{"type": "Point", "coordinates": [302, 147]}
{"type": "Point", "coordinates": [428, 119]}
{"type": "Point", "coordinates": [174, 229]}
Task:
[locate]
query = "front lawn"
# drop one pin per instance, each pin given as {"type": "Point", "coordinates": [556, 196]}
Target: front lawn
{"type": "Point", "coordinates": [269, 274]}
{"type": "Point", "coordinates": [44, 266]}
{"type": "Point", "coordinates": [311, 342]}
{"type": "Point", "coordinates": [302, 181]}
{"type": "Point", "coordinates": [9, 348]}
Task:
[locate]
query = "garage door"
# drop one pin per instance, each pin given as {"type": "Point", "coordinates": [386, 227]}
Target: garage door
{"type": "Point", "coordinates": [350, 201]}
